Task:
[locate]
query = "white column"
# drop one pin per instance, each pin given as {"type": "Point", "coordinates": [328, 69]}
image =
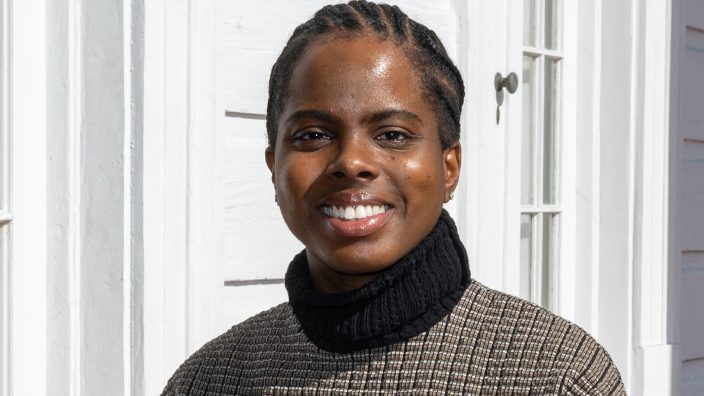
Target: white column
{"type": "Point", "coordinates": [92, 308]}
{"type": "Point", "coordinates": [655, 357]}
{"type": "Point", "coordinates": [28, 253]}
{"type": "Point", "coordinates": [617, 133]}
{"type": "Point", "coordinates": [182, 209]}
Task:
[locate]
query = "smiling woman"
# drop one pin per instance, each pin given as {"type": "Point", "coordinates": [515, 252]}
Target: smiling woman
{"type": "Point", "coordinates": [363, 127]}
{"type": "Point", "coordinates": [360, 136]}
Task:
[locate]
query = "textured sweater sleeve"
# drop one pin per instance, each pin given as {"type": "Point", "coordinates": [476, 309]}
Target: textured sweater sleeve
{"type": "Point", "coordinates": [186, 379]}
{"type": "Point", "coordinates": [592, 373]}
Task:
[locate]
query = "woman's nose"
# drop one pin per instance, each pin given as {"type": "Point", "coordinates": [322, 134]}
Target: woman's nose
{"type": "Point", "coordinates": [355, 159]}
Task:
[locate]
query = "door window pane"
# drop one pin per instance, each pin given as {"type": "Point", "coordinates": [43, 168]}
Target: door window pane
{"type": "Point", "coordinates": [529, 23]}
{"type": "Point", "coordinates": [551, 24]}
{"type": "Point", "coordinates": [547, 262]}
{"type": "Point", "coordinates": [527, 131]}
{"type": "Point", "coordinates": [549, 154]}
{"type": "Point", "coordinates": [540, 155]}
{"type": "Point", "coordinates": [526, 256]}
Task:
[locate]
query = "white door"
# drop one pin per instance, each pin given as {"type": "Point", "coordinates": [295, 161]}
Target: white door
{"type": "Point", "coordinates": [519, 162]}
{"type": "Point", "coordinates": [691, 195]}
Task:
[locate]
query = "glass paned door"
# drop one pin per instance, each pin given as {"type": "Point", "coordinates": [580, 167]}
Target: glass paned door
{"type": "Point", "coordinates": [540, 154]}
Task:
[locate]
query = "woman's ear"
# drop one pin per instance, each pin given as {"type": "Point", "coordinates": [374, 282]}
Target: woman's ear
{"type": "Point", "coordinates": [452, 162]}
{"type": "Point", "coordinates": [269, 157]}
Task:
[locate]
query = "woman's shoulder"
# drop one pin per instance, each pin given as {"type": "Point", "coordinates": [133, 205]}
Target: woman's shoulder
{"type": "Point", "coordinates": [530, 341]}
{"type": "Point", "coordinates": [243, 342]}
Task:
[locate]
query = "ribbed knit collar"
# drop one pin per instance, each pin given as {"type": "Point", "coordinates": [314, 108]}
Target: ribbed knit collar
{"type": "Point", "coordinates": [407, 299]}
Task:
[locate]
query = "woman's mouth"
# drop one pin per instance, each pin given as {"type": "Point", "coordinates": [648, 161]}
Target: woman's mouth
{"type": "Point", "coordinates": [356, 220]}
{"type": "Point", "coordinates": [353, 213]}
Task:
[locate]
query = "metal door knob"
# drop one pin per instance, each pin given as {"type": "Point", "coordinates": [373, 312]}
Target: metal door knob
{"type": "Point", "coordinates": [509, 82]}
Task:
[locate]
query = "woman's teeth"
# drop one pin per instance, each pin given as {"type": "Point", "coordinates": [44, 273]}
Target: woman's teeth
{"type": "Point", "coordinates": [352, 213]}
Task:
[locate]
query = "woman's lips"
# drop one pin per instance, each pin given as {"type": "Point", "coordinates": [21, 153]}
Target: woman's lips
{"type": "Point", "coordinates": [358, 220]}
{"type": "Point", "coordinates": [353, 212]}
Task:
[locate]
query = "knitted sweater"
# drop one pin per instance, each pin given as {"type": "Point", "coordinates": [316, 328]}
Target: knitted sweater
{"type": "Point", "coordinates": [484, 342]}
{"type": "Point", "coordinates": [491, 344]}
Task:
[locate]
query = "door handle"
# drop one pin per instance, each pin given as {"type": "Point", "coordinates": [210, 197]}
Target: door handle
{"type": "Point", "coordinates": [509, 82]}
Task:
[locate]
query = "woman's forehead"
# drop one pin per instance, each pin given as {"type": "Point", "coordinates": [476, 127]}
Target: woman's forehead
{"type": "Point", "coordinates": [350, 74]}
{"type": "Point", "coordinates": [338, 58]}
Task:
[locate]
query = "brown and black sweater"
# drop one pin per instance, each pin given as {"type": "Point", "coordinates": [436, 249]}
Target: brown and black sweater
{"type": "Point", "coordinates": [487, 343]}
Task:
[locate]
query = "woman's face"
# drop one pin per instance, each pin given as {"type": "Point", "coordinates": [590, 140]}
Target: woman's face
{"type": "Point", "coordinates": [356, 139]}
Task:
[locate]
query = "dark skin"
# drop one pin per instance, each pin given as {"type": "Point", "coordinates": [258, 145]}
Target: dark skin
{"type": "Point", "coordinates": [357, 130]}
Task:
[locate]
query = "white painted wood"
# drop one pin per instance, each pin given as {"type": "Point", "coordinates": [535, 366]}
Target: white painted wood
{"type": "Point", "coordinates": [90, 188]}
{"type": "Point", "coordinates": [100, 156]}
{"type": "Point", "coordinates": [28, 254]}
{"type": "Point", "coordinates": [5, 294]}
{"type": "Point", "coordinates": [5, 203]}
{"type": "Point", "coordinates": [133, 227]}
{"type": "Point", "coordinates": [587, 164]}
{"type": "Point", "coordinates": [464, 18]}
{"type": "Point", "coordinates": [63, 278]}
{"type": "Point", "coordinates": [153, 201]}
{"type": "Point", "coordinates": [656, 371]}
{"type": "Point", "coordinates": [175, 182]}
{"type": "Point", "coordinates": [482, 220]}
{"type": "Point", "coordinates": [206, 159]}
{"type": "Point", "coordinates": [5, 110]}
{"type": "Point", "coordinates": [93, 270]}
{"type": "Point", "coordinates": [243, 302]}
{"type": "Point", "coordinates": [565, 277]}
{"type": "Point", "coordinates": [651, 174]}
{"type": "Point", "coordinates": [182, 202]}
{"type": "Point", "coordinates": [616, 148]}
{"type": "Point", "coordinates": [511, 119]}
{"type": "Point", "coordinates": [253, 222]}
{"type": "Point", "coordinates": [654, 360]}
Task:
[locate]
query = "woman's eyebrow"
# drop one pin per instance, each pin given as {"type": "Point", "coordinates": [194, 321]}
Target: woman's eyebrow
{"type": "Point", "coordinates": [384, 114]}
{"type": "Point", "coordinates": [315, 114]}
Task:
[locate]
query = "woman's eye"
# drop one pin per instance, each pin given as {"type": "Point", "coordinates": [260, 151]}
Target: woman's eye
{"type": "Point", "coordinates": [394, 136]}
{"type": "Point", "coordinates": [313, 136]}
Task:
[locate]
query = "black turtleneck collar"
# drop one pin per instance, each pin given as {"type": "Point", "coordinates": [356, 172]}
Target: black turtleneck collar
{"type": "Point", "coordinates": [407, 299]}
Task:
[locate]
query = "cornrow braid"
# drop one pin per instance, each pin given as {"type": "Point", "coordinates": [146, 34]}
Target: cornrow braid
{"type": "Point", "coordinates": [440, 78]}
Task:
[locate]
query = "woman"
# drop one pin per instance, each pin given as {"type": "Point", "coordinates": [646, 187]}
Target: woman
{"type": "Point", "coordinates": [363, 126]}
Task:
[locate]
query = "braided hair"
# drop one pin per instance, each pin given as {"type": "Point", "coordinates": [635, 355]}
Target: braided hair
{"type": "Point", "coordinates": [440, 78]}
